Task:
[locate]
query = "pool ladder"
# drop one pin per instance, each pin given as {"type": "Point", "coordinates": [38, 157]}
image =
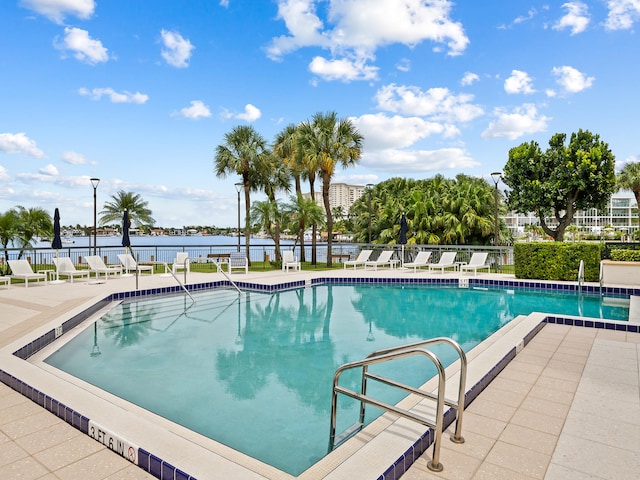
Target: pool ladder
{"type": "Point", "coordinates": [394, 353]}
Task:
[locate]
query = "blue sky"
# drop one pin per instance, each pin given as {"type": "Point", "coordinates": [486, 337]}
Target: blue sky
{"type": "Point", "coordinates": [140, 93]}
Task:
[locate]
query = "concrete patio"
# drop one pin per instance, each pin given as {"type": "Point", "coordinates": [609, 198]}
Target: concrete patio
{"type": "Point", "coordinates": [568, 405]}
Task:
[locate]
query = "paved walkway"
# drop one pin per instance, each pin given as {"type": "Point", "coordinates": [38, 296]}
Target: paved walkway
{"type": "Point", "coordinates": [567, 407]}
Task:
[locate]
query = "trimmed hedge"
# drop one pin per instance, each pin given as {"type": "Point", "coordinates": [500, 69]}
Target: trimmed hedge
{"type": "Point", "coordinates": [625, 255]}
{"type": "Point", "coordinates": [556, 260]}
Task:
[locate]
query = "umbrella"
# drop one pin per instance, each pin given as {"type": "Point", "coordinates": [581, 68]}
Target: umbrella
{"type": "Point", "coordinates": [57, 241]}
{"type": "Point", "coordinates": [126, 242]}
{"type": "Point", "coordinates": [403, 234]}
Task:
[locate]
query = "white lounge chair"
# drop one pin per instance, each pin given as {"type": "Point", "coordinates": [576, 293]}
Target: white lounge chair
{"type": "Point", "coordinates": [421, 260]}
{"type": "Point", "coordinates": [22, 269]}
{"type": "Point", "coordinates": [383, 259]}
{"type": "Point", "coordinates": [238, 261]}
{"type": "Point", "coordinates": [447, 260]}
{"type": "Point", "coordinates": [129, 263]}
{"type": "Point", "coordinates": [289, 261]}
{"type": "Point", "coordinates": [477, 262]}
{"type": "Point", "coordinates": [362, 257]}
{"type": "Point", "coordinates": [64, 266]}
{"type": "Point", "coordinates": [97, 266]}
{"type": "Point", "coordinates": [181, 262]}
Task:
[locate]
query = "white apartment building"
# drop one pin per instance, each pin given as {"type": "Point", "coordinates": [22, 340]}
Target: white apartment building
{"type": "Point", "coordinates": [620, 214]}
{"type": "Point", "coordinates": [340, 195]}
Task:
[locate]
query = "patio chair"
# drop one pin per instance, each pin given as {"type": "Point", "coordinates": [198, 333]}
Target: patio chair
{"type": "Point", "coordinates": [65, 267]}
{"type": "Point", "coordinates": [97, 266]}
{"type": "Point", "coordinates": [421, 260]}
{"type": "Point", "coordinates": [447, 260]}
{"type": "Point", "coordinates": [22, 269]}
{"type": "Point", "coordinates": [362, 257]}
{"type": "Point", "coordinates": [129, 263]}
{"type": "Point", "coordinates": [477, 262]}
{"type": "Point", "coordinates": [289, 261]}
{"type": "Point", "coordinates": [383, 259]}
{"type": "Point", "coordinates": [181, 262]}
{"type": "Point", "coordinates": [238, 261]}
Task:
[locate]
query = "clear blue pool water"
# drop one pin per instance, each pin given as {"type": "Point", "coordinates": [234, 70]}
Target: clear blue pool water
{"type": "Point", "coordinates": [254, 372]}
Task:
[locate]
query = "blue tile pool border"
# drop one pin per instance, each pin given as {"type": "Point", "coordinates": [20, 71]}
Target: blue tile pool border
{"type": "Point", "coordinates": [164, 470]}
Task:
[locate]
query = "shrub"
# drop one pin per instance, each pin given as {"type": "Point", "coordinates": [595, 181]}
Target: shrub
{"type": "Point", "coordinates": [556, 260]}
{"type": "Point", "coordinates": [625, 255]}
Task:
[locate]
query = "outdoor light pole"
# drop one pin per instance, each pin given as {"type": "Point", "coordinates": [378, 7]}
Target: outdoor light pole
{"type": "Point", "coordinates": [496, 231]}
{"type": "Point", "coordinates": [370, 188]}
{"type": "Point", "coordinates": [94, 184]}
{"type": "Point", "coordinates": [238, 189]}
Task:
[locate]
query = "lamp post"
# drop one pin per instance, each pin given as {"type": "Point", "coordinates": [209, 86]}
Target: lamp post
{"type": "Point", "coordinates": [496, 231]}
{"type": "Point", "coordinates": [94, 184]}
{"type": "Point", "coordinates": [369, 189]}
{"type": "Point", "coordinates": [238, 189]}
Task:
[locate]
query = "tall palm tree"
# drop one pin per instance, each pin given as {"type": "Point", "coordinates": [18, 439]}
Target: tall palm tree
{"type": "Point", "coordinates": [133, 203]}
{"type": "Point", "coordinates": [305, 212]}
{"type": "Point", "coordinates": [240, 154]}
{"type": "Point", "coordinates": [286, 147]}
{"type": "Point", "coordinates": [328, 141]}
{"type": "Point", "coordinates": [273, 175]}
{"type": "Point", "coordinates": [629, 179]}
{"type": "Point", "coordinates": [9, 223]}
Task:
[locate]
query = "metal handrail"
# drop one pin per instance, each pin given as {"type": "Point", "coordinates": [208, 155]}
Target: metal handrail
{"type": "Point", "coordinates": [457, 405]}
{"type": "Point", "coordinates": [166, 269]}
{"type": "Point", "coordinates": [219, 267]}
{"type": "Point", "coordinates": [393, 353]}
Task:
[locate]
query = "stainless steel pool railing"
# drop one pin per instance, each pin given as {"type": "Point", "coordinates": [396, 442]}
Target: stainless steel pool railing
{"type": "Point", "coordinates": [219, 267]}
{"type": "Point", "coordinates": [168, 270]}
{"type": "Point", "coordinates": [386, 355]}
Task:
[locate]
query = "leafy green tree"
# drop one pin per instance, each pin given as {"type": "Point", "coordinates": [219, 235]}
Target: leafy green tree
{"type": "Point", "coordinates": [32, 222]}
{"type": "Point", "coordinates": [304, 211]}
{"type": "Point", "coordinates": [629, 179]}
{"type": "Point", "coordinates": [565, 178]}
{"type": "Point", "coordinates": [328, 142]}
{"type": "Point", "coordinates": [139, 213]}
{"type": "Point", "coordinates": [240, 153]}
{"type": "Point", "coordinates": [9, 223]}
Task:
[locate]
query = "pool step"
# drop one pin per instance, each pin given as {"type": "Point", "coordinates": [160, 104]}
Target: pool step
{"type": "Point", "coordinates": [634, 309]}
{"type": "Point", "coordinates": [348, 433]}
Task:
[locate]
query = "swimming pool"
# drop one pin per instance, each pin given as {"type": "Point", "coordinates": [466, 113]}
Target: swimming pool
{"type": "Point", "coordinates": [271, 357]}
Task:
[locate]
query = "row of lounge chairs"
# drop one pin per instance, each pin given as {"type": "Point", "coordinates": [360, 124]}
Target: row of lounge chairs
{"type": "Point", "coordinates": [447, 260]}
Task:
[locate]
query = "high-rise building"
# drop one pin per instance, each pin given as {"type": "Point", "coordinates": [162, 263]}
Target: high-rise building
{"type": "Point", "coordinates": [340, 195]}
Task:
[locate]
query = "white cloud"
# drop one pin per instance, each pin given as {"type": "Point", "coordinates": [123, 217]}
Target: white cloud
{"type": "Point", "coordinates": [438, 103]}
{"type": "Point", "coordinates": [622, 14]}
{"type": "Point", "coordinates": [197, 110]}
{"type": "Point", "coordinates": [74, 158]}
{"type": "Point", "coordinates": [418, 161]}
{"type": "Point", "coordinates": [518, 82]}
{"type": "Point", "coordinates": [115, 97]}
{"type": "Point", "coordinates": [177, 50]}
{"type": "Point", "coordinates": [250, 114]}
{"type": "Point", "coordinates": [224, 3]}
{"type": "Point", "coordinates": [469, 78]}
{"type": "Point", "coordinates": [404, 65]}
{"type": "Point", "coordinates": [50, 170]}
{"type": "Point", "coordinates": [19, 143]}
{"type": "Point", "coordinates": [571, 79]}
{"type": "Point", "coordinates": [4, 176]}
{"type": "Point", "coordinates": [56, 10]}
{"type": "Point", "coordinates": [356, 29]}
{"type": "Point", "coordinates": [576, 18]}
{"type": "Point", "coordinates": [85, 49]}
{"type": "Point", "coordinates": [523, 120]}
{"type": "Point", "coordinates": [343, 69]}
{"type": "Point", "coordinates": [525, 18]}
{"type": "Point", "coordinates": [383, 132]}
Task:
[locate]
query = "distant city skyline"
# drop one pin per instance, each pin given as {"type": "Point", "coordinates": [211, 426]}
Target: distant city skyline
{"type": "Point", "coordinates": [139, 94]}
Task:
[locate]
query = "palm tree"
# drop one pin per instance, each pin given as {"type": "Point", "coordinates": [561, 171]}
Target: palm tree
{"type": "Point", "coordinates": [629, 179]}
{"type": "Point", "coordinates": [9, 223]}
{"type": "Point", "coordinates": [286, 147]}
{"type": "Point", "coordinates": [32, 222]}
{"type": "Point", "coordinates": [240, 154]}
{"type": "Point", "coordinates": [327, 141]}
{"type": "Point", "coordinates": [273, 175]}
{"type": "Point", "coordinates": [133, 203]}
{"type": "Point", "coordinates": [305, 212]}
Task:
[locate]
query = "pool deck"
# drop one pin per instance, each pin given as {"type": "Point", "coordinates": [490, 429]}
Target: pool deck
{"type": "Point", "coordinates": [566, 407]}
